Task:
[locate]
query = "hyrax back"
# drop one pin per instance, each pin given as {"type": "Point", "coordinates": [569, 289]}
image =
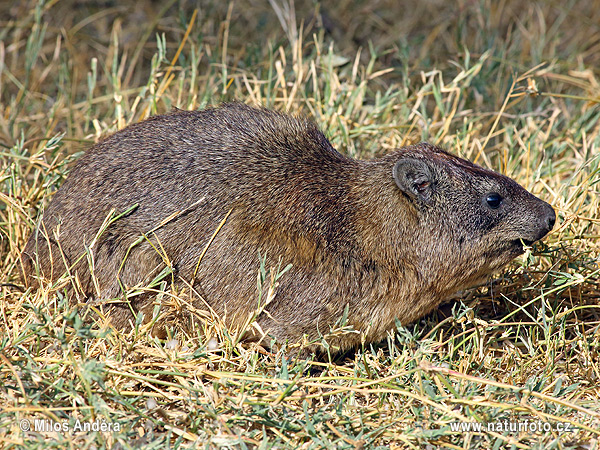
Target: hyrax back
{"type": "Point", "coordinates": [382, 239]}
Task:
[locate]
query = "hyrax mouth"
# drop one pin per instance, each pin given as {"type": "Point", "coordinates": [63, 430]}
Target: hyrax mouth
{"type": "Point", "coordinates": [518, 245]}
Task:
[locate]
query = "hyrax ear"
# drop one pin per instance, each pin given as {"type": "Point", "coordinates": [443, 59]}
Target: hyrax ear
{"type": "Point", "coordinates": [415, 178]}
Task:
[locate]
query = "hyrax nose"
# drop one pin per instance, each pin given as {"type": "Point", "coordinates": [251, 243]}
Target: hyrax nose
{"type": "Point", "coordinates": [550, 218]}
{"type": "Point", "coordinates": [546, 218]}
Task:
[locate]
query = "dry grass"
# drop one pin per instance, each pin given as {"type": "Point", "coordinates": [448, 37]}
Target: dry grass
{"type": "Point", "coordinates": [512, 86]}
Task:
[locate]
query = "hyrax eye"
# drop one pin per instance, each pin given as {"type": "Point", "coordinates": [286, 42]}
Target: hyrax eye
{"type": "Point", "coordinates": [494, 200]}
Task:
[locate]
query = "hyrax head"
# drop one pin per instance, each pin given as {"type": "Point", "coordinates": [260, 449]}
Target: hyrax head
{"type": "Point", "coordinates": [471, 220]}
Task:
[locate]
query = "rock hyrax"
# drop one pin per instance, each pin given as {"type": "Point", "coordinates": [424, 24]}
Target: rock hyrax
{"type": "Point", "coordinates": [372, 241]}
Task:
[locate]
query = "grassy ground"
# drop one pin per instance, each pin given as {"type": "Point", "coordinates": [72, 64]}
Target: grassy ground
{"type": "Point", "coordinates": [513, 86]}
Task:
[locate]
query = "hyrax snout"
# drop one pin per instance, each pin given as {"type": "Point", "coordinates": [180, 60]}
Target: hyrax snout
{"type": "Point", "coordinates": [372, 241]}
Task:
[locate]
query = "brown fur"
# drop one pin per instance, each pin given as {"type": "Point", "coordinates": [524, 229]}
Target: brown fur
{"type": "Point", "coordinates": [387, 238]}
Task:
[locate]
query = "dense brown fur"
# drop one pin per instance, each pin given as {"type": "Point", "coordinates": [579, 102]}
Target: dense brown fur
{"type": "Point", "coordinates": [387, 238]}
